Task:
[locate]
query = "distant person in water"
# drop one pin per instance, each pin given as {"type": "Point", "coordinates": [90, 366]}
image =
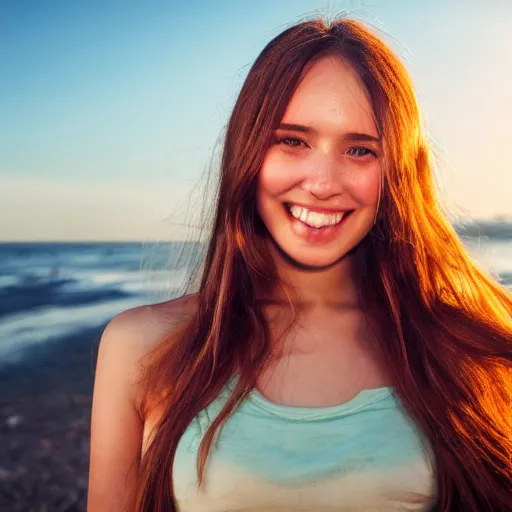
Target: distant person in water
{"type": "Point", "coordinates": [343, 351]}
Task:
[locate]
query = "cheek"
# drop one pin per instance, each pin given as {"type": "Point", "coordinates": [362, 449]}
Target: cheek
{"type": "Point", "coordinates": [364, 187]}
{"type": "Point", "coordinates": [275, 178]}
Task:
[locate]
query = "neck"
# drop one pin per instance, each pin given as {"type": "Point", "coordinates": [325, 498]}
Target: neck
{"type": "Point", "coordinates": [329, 287]}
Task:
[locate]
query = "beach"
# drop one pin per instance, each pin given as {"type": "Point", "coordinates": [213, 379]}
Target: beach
{"type": "Point", "coordinates": [45, 409]}
{"type": "Point", "coordinates": [55, 300]}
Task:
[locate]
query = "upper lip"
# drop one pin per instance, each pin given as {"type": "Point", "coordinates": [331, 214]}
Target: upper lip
{"type": "Point", "coordinates": [318, 208]}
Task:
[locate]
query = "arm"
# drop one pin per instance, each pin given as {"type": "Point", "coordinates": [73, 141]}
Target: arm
{"type": "Point", "coordinates": [116, 426]}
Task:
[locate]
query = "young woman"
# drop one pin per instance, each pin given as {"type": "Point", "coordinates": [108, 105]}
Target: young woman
{"type": "Point", "coordinates": [343, 351]}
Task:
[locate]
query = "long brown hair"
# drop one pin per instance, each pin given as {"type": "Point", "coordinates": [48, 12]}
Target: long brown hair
{"type": "Point", "coordinates": [441, 323]}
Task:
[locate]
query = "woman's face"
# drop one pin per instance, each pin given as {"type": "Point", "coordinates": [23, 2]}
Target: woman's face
{"type": "Point", "coordinates": [318, 188]}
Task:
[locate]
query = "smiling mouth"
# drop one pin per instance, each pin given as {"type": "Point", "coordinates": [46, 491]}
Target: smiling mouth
{"type": "Point", "coordinates": [314, 219]}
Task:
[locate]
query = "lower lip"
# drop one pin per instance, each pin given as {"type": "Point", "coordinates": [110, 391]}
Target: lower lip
{"type": "Point", "coordinates": [316, 235]}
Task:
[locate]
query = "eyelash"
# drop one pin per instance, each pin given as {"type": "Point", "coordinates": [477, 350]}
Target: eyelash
{"type": "Point", "coordinates": [286, 140]}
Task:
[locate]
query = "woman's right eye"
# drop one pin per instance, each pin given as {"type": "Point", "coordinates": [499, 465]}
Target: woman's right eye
{"type": "Point", "coordinates": [290, 142]}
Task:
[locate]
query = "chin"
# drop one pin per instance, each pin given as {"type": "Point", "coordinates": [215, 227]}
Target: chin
{"type": "Point", "coordinates": [308, 260]}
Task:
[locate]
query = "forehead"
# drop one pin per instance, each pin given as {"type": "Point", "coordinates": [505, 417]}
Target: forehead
{"type": "Point", "coordinates": [331, 96]}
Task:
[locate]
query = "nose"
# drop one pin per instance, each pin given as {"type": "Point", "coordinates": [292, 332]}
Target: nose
{"type": "Point", "coordinates": [324, 179]}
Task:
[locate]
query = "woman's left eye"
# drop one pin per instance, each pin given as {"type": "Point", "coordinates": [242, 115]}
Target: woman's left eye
{"type": "Point", "coordinates": [360, 151]}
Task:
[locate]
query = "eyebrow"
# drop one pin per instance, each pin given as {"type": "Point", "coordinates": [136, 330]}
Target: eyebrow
{"type": "Point", "coordinates": [355, 136]}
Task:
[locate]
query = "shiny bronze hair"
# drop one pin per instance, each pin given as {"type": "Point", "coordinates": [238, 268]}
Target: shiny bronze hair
{"type": "Point", "coordinates": [442, 325]}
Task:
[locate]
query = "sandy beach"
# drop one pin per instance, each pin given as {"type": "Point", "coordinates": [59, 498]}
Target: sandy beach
{"type": "Point", "coordinates": [45, 408]}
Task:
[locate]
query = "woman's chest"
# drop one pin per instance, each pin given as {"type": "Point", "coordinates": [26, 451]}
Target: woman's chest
{"type": "Point", "coordinates": [367, 460]}
{"type": "Point", "coordinates": [321, 366]}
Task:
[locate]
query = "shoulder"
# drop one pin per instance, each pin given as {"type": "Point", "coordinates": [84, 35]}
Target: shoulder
{"type": "Point", "coordinates": [134, 333]}
{"type": "Point", "coordinates": [140, 328]}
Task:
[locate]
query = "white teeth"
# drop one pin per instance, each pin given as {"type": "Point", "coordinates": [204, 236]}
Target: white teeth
{"type": "Point", "coordinates": [315, 219]}
{"type": "Point", "coordinates": [296, 211]}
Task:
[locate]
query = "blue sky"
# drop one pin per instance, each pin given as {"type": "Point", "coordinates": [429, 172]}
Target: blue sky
{"type": "Point", "coordinates": [110, 109]}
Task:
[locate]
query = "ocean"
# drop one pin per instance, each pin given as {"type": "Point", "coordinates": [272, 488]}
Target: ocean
{"type": "Point", "coordinates": [57, 290]}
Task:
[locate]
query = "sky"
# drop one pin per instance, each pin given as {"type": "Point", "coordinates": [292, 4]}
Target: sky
{"type": "Point", "coordinates": [110, 110]}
